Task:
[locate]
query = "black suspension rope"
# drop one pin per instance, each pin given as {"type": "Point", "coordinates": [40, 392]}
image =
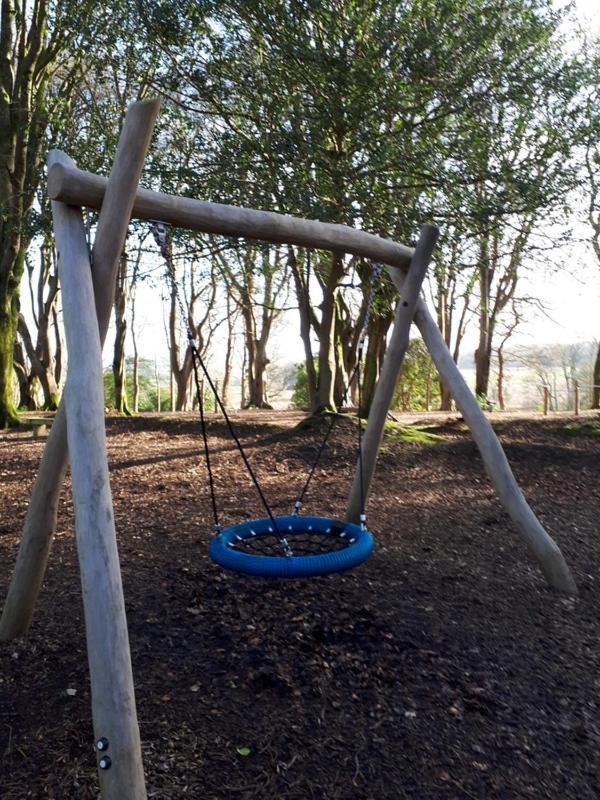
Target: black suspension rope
{"type": "Point", "coordinates": [234, 436]}
{"type": "Point", "coordinates": [159, 230]}
{"type": "Point", "coordinates": [361, 477]}
{"type": "Point", "coordinates": [330, 427]}
{"type": "Point", "coordinates": [211, 482]}
{"type": "Point", "coordinates": [376, 272]}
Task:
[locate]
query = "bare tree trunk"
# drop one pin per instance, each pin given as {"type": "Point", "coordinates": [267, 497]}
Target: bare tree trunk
{"type": "Point", "coordinates": [484, 348]}
{"type": "Point", "coordinates": [256, 343]}
{"type": "Point", "coordinates": [58, 347]}
{"type": "Point", "coordinates": [26, 385]}
{"type": "Point", "coordinates": [326, 377]}
{"type": "Point", "coordinates": [243, 381]}
{"type": "Point", "coordinates": [118, 365]}
{"type": "Point", "coordinates": [341, 377]}
{"type": "Point", "coordinates": [596, 381]}
{"type": "Point", "coordinates": [157, 381]}
{"type": "Point", "coordinates": [257, 390]}
{"type": "Point", "coordinates": [378, 329]}
{"type": "Point", "coordinates": [445, 397]}
{"type": "Point", "coordinates": [135, 389]}
{"type": "Point", "coordinates": [179, 374]}
{"type": "Point", "coordinates": [228, 354]}
{"type": "Point", "coordinates": [306, 321]}
{"type": "Point", "coordinates": [500, 380]}
{"type": "Point", "coordinates": [40, 370]}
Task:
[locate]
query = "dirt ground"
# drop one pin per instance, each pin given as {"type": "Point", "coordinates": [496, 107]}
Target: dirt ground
{"type": "Point", "coordinates": [441, 668]}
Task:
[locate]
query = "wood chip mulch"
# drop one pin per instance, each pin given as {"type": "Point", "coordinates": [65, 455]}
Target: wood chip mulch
{"type": "Point", "coordinates": [442, 668]}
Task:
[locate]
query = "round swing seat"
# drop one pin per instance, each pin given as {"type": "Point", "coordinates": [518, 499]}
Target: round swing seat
{"type": "Point", "coordinates": [317, 546]}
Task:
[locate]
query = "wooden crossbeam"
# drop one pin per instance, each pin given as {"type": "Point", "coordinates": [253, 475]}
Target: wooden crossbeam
{"type": "Point", "coordinates": [76, 187]}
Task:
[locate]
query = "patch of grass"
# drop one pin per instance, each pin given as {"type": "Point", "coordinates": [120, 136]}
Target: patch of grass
{"type": "Point", "coordinates": [413, 434]}
{"type": "Point", "coordinates": [588, 427]}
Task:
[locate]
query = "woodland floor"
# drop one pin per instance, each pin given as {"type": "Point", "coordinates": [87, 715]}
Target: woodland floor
{"type": "Point", "coordinates": [442, 668]}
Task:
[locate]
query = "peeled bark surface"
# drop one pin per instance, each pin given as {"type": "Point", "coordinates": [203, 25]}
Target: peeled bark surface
{"type": "Point", "coordinates": [540, 544]}
{"type": "Point", "coordinates": [405, 309]}
{"type": "Point", "coordinates": [111, 679]}
{"type": "Point", "coordinates": [77, 187]}
{"type": "Point", "coordinates": [40, 523]}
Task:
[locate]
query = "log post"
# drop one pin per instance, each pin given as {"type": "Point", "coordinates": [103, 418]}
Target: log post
{"type": "Point", "coordinates": [540, 544]}
{"type": "Point", "coordinates": [113, 698]}
{"type": "Point", "coordinates": [390, 371]}
{"type": "Point", "coordinates": [576, 397]}
{"type": "Point", "coordinates": [546, 400]}
{"type": "Point", "coordinates": [40, 523]}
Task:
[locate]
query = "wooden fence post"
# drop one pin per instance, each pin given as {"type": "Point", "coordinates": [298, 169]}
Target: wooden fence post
{"type": "Point", "coordinates": [546, 400]}
{"type": "Point", "coordinates": [576, 397]}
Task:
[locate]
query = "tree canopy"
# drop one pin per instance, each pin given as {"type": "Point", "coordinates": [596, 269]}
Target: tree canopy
{"type": "Point", "coordinates": [378, 115]}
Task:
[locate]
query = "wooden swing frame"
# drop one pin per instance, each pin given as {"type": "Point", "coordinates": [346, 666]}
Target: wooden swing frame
{"type": "Point", "coordinates": [78, 432]}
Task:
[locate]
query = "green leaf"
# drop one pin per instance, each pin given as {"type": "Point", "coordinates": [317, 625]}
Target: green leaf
{"type": "Point", "coordinates": [244, 751]}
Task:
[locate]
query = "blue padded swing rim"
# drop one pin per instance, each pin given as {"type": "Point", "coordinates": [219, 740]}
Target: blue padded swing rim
{"type": "Point", "coordinates": [305, 566]}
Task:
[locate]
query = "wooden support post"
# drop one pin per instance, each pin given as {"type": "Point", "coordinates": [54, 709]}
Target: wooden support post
{"type": "Point", "coordinates": [76, 187]}
{"type": "Point", "coordinates": [113, 699]}
{"type": "Point", "coordinates": [390, 371]}
{"type": "Point", "coordinates": [73, 186]}
{"type": "Point", "coordinates": [216, 404]}
{"type": "Point", "coordinates": [540, 544]}
{"type": "Point", "coordinates": [40, 523]}
{"type": "Point", "coordinates": [576, 397]}
{"type": "Point", "coordinates": [546, 400]}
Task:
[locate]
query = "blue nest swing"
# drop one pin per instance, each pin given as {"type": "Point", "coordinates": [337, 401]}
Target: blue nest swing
{"type": "Point", "coordinates": [291, 546]}
{"type": "Point", "coordinates": [300, 547]}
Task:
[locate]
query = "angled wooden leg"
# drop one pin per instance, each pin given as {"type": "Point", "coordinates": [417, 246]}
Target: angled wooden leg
{"type": "Point", "coordinates": [40, 523]}
{"type": "Point", "coordinates": [392, 363]}
{"type": "Point", "coordinates": [539, 542]}
{"type": "Point", "coordinates": [113, 699]}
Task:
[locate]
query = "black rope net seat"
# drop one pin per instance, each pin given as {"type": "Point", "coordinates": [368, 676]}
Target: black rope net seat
{"type": "Point", "coordinates": [298, 547]}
